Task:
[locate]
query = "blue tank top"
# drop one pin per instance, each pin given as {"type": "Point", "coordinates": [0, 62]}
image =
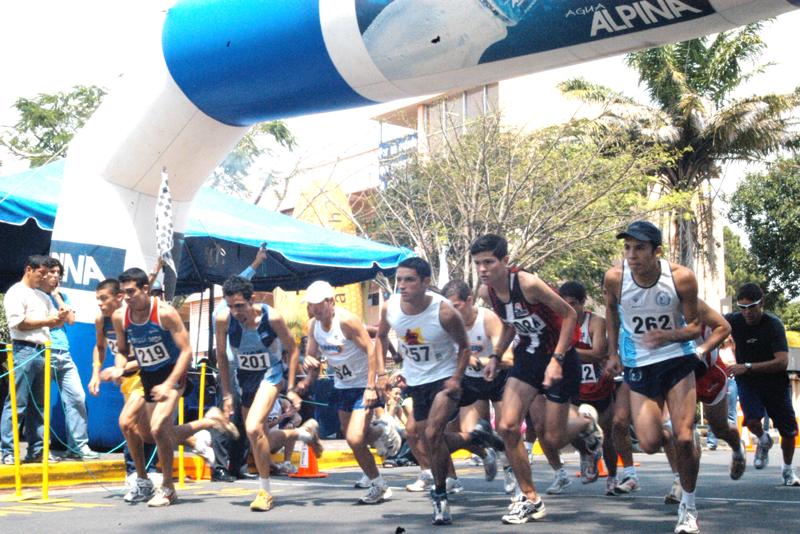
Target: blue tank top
{"type": "Point", "coordinates": [151, 343]}
{"type": "Point", "coordinates": [257, 350]}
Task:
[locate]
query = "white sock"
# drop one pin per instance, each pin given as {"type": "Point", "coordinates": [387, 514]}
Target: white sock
{"type": "Point", "coordinates": [378, 481]}
{"type": "Point", "coordinates": [676, 476]}
{"type": "Point", "coordinates": [688, 499]}
{"type": "Point", "coordinates": [787, 466]}
{"type": "Point", "coordinates": [629, 472]}
{"type": "Point", "coordinates": [264, 483]}
{"type": "Point", "coordinates": [304, 435]}
{"type": "Point", "coordinates": [528, 446]}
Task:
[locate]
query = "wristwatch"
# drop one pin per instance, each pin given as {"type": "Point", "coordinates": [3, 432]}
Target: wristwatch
{"type": "Point", "coordinates": [748, 367]}
{"type": "Point", "coordinates": [559, 357]}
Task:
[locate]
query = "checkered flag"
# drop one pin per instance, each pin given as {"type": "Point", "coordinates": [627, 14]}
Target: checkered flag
{"type": "Point", "coordinates": [164, 222]}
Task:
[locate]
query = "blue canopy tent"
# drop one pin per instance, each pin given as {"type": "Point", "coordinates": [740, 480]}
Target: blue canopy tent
{"type": "Point", "coordinates": [222, 237]}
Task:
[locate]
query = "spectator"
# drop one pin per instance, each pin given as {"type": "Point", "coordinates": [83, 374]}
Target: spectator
{"type": "Point", "coordinates": [31, 315]}
{"type": "Point", "coordinates": [762, 355]}
{"type": "Point", "coordinates": [64, 371]}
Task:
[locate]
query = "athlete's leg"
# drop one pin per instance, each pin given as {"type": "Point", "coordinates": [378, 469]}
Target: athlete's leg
{"type": "Point", "coordinates": [132, 413]}
{"type": "Point", "coordinates": [606, 422]}
{"type": "Point", "coordinates": [517, 399]}
{"type": "Point", "coordinates": [442, 409]}
{"type": "Point", "coordinates": [621, 433]}
{"type": "Point", "coordinates": [682, 401]}
{"type": "Point", "coordinates": [536, 430]}
{"type": "Point", "coordinates": [255, 426]}
{"type": "Point", "coordinates": [416, 442]}
{"type": "Point", "coordinates": [356, 425]}
{"type": "Point", "coordinates": [163, 430]}
{"type": "Point", "coordinates": [717, 415]}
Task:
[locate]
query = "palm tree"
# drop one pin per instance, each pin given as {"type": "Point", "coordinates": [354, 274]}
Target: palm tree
{"type": "Point", "coordinates": [694, 115]}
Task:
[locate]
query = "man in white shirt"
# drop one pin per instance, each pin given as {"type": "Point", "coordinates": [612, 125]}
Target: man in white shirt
{"type": "Point", "coordinates": [30, 314]}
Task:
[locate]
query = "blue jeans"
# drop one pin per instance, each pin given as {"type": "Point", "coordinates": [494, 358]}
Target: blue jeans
{"type": "Point", "coordinates": [73, 398]}
{"type": "Point", "coordinates": [733, 398]}
{"type": "Point", "coordinates": [29, 381]}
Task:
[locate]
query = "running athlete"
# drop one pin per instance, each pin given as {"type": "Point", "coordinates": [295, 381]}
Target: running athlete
{"type": "Point", "coordinates": [256, 334]}
{"type": "Point", "coordinates": [339, 337]}
{"type": "Point", "coordinates": [651, 313]}
{"type": "Point", "coordinates": [435, 351]}
{"type": "Point", "coordinates": [151, 335]}
{"type": "Point", "coordinates": [483, 331]}
{"type": "Point", "coordinates": [544, 364]}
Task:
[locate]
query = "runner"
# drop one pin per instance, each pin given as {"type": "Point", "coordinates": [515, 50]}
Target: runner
{"type": "Point", "coordinates": [651, 312]}
{"type": "Point", "coordinates": [544, 364]}
{"type": "Point", "coordinates": [151, 335]}
{"type": "Point", "coordinates": [339, 337]}
{"type": "Point", "coordinates": [435, 351]}
{"type": "Point", "coordinates": [256, 334]}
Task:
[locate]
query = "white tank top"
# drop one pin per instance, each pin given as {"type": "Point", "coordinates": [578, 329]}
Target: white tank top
{"type": "Point", "coordinates": [712, 355]}
{"type": "Point", "coordinates": [479, 342]}
{"type": "Point", "coordinates": [649, 308]}
{"type": "Point", "coordinates": [428, 351]}
{"type": "Point", "coordinates": [349, 363]}
{"type": "Point", "coordinates": [586, 336]}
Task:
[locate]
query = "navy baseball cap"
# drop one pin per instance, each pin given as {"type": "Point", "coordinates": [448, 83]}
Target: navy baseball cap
{"type": "Point", "coordinates": [642, 231]}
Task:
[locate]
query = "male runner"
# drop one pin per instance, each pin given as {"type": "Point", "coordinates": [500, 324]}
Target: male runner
{"type": "Point", "coordinates": [484, 329]}
{"type": "Point", "coordinates": [435, 351]}
{"type": "Point", "coordinates": [339, 336]}
{"type": "Point", "coordinates": [762, 355]}
{"type": "Point", "coordinates": [151, 335]}
{"type": "Point", "coordinates": [544, 364]}
{"type": "Point", "coordinates": [256, 333]}
{"type": "Point", "coordinates": [651, 313]}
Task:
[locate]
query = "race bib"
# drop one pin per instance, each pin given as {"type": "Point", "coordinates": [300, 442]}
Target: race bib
{"type": "Point", "coordinates": [342, 372]}
{"type": "Point", "coordinates": [112, 345]}
{"type": "Point", "coordinates": [420, 353]}
{"type": "Point", "coordinates": [151, 355]}
{"type": "Point", "coordinates": [254, 362]}
{"type": "Point", "coordinates": [588, 375]}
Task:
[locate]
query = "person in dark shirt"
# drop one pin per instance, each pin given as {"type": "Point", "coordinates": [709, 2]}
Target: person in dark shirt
{"type": "Point", "coordinates": [762, 355]}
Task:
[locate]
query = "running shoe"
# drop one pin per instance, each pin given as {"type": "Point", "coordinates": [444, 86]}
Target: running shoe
{"type": "Point", "coordinates": [262, 502]}
{"type": "Point", "coordinates": [203, 448]}
{"type": "Point", "coordinates": [611, 485]}
{"type": "Point", "coordinates": [376, 494]}
{"type": "Point", "coordinates": [592, 435]}
{"type": "Point", "coordinates": [509, 480]}
{"type": "Point", "coordinates": [490, 464]}
{"type": "Point", "coordinates": [687, 520]}
{"type": "Point", "coordinates": [312, 427]}
{"type": "Point", "coordinates": [454, 486]}
{"type": "Point", "coordinates": [629, 485]}
{"type": "Point", "coordinates": [363, 483]}
{"type": "Point", "coordinates": [560, 481]}
{"type": "Point", "coordinates": [790, 478]}
{"type": "Point", "coordinates": [589, 463]}
{"type": "Point", "coordinates": [475, 460]}
{"type": "Point", "coordinates": [392, 439]}
{"type": "Point", "coordinates": [222, 423]}
{"type": "Point", "coordinates": [140, 491]}
{"type": "Point", "coordinates": [163, 497]}
{"type": "Point", "coordinates": [675, 493]}
{"type": "Point", "coordinates": [424, 482]}
{"type": "Point", "coordinates": [441, 510]}
{"type": "Point", "coordinates": [738, 462]}
{"type": "Point", "coordinates": [483, 435]}
{"type": "Point", "coordinates": [761, 459]}
{"type": "Point", "coordinates": [523, 510]}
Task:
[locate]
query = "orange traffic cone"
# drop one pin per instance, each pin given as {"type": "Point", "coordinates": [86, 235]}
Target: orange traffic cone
{"type": "Point", "coordinates": [620, 463]}
{"type": "Point", "coordinates": [308, 465]}
{"type": "Point", "coordinates": [601, 469]}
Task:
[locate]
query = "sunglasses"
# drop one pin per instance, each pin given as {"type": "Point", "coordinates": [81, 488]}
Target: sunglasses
{"type": "Point", "coordinates": [748, 306]}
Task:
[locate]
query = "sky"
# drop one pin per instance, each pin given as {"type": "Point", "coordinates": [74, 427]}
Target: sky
{"type": "Point", "coordinates": [52, 45]}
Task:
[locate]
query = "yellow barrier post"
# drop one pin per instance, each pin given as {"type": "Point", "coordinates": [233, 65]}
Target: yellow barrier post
{"type": "Point", "coordinates": [46, 410]}
{"type": "Point", "coordinates": [181, 467]}
{"type": "Point", "coordinates": [12, 392]}
{"type": "Point", "coordinates": [199, 463]}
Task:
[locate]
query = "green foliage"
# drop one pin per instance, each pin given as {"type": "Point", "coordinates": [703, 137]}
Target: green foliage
{"type": "Point", "coordinates": [740, 265]}
{"type": "Point", "coordinates": [229, 175]}
{"type": "Point", "coordinates": [48, 122]}
{"type": "Point", "coordinates": [767, 206]}
{"type": "Point", "coordinates": [558, 195]}
{"type": "Point", "coordinates": [790, 315]}
{"type": "Point", "coordinates": [5, 335]}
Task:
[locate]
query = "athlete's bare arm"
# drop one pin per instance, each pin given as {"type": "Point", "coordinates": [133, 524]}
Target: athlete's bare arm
{"type": "Point", "coordinates": [311, 361]}
{"type": "Point", "coordinates": [221, 338]}
{"type": "Point", "coordinates": [720, 328]}
{"type": "Point", "coordinates": [494, 329]}
{"type": "Point", "coordinates": [98, 354]}
{"type": "Point", "coordinates": [287, 340]}
{"type": "Point", "coordinates": [612, 284]}
{"type": "Point", "coordinates": [124, 363]}
{"type": "Point", "coordinates": [451, 321]}
{"type": "Point", "coordinates": [171, 320]}
{"type": "Point", "coordinates": [354, 330]}
{"type": "Point", "coordinates": [501, 345]}
{"type": "Point", "coordinates": [597, 331]}
{"type": "Point", "coordinates": [686, 287]}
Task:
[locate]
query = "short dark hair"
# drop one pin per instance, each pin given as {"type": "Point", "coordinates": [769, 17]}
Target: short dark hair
{"type": "Point", "coordinates": [422, 267]}
{"type": "Point", "coordinates": [573, 289]}
{"type": "Point", "coordinates": [36, 261]}
{"type": "Point", "coordinates": [751, 292]}
{"type": "Point", "coordinates": [459, 288]}
{"type": "Point", "coordinates": [238, 284]}
{"type": "Point", "coordinates": [493, 243]}
{"type": "Point", "coordinates": [134, 274]}
{"type": "Point", "coordinates": [109, 283]}
{"type": "Point", "coordinates": [51, 262]}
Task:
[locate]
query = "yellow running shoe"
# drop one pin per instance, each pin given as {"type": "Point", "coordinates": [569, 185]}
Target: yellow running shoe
{"type": "Point", "coordinates": [262, 502]}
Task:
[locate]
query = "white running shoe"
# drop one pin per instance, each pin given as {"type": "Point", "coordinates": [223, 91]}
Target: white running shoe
{"type": "Point", "coordinates": [523, 510]}
{"type": "Point", "coordinates": [675, 493]}
{"type": "Point", "coordinates": [376, 494]}
{"type": "Point", "coordinates": [761, 459]}
{"type": "Point", "coordinates": [687, 520]}
{"type": "Point", "coordinates": [509, 480]}
{"type": "Point", "coordinates": [142, 490]}
{"type": "Point", "coordinates": [363, 483]}
{"type": "Point", "coordinates": [392, 439]}
{"type": "Point", "coordinates": [454, 486]}
{"type": "Point", "coordinates": [163, 497]}
{"type": "Point", "coordinates": [629, 485]}
{"type": "Point", "coordinates": [611, 484]}
{"type": "Point", "coordinates": [424, 482]}
{"type": "Point", "coordinates": [560, 481]}
{"type": "Point", "coordinates": [790, 477]}
{"type": "Point", "coordinates": [203, 448]}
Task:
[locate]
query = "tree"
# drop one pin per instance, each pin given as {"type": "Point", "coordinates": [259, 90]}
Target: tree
{"type": "Point", "coordinates": [693, 111]}
{"type": "Point", "coordinates": [740, 265]}
{"type": "Point", "coordinates": [558, 194]}
{"type": "Point", "coordinates": [767, 207]}
{"type": "Point", "coordinates": [48, 122]}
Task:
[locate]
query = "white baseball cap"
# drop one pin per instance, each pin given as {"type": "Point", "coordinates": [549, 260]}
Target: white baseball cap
{"type": "Point", "coordinates": [318, 291]}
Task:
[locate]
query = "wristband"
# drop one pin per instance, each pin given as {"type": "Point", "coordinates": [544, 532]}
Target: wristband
{"type": "Point", "coordinates": [369, 389]}
{"type": "Point", "coordinates": [495, 356]}
{"type": "Point", "coordinates": [559, 357]}
{"type": "Point", "coordinates": [383, 374]}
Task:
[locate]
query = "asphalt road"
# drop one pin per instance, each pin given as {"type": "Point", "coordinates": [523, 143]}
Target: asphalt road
{"type": "Point", "coordinates": [756, 503]}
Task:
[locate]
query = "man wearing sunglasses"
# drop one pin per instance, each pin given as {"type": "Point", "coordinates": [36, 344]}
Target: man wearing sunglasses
{"type": "Point", "coordinates": [762, 355]}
